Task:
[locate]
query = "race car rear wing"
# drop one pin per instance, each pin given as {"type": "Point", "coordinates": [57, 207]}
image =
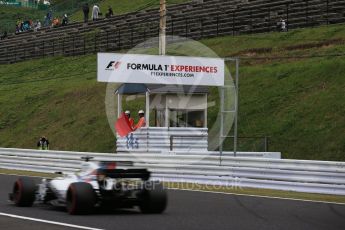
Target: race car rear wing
{"type": "Point", "coordinates": [114, 164]}
{"type": "Point", "coordinates": [143, 174]}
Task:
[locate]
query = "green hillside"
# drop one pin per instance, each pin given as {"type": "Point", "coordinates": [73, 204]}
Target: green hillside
{"type": "Point", "coordinates": [292, 88]}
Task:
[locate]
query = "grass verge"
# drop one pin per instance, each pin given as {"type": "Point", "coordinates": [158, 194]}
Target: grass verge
{"type": "Point", "coordinates": [26, 173]}
{"type": "Point", "coordinates": [259, 192]}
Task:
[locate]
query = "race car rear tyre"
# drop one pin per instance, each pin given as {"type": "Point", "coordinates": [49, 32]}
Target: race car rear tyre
{"type": "Point", "coordinates": [153, 198]}
{"type": "Point", "coordinates": [80, 198]}
{"type": "Point", "coordinates": [24, 192]}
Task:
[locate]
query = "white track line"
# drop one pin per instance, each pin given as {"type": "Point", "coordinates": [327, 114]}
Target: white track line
{"type": "Point", "coordinates": [259, 196]}
{"type": "Point", "coordinates": [48, 222]}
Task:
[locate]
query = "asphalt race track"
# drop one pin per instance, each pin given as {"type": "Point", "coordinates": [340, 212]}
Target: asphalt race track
{"type": "Point", "coordinates": [186, 210]}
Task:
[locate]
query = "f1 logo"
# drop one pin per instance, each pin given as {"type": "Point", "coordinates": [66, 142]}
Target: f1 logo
{"type": "Point", "coordinates": [114, 64]}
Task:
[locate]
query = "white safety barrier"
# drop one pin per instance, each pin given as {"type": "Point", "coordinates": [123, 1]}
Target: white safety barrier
{"type": "Point", "coordinates": [292, 175]}
{"type": "Point", "coordinates": [162, 139]}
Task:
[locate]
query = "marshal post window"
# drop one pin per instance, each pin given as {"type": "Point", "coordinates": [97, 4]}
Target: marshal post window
{"type": "Point", "coordinates": [187, 118]}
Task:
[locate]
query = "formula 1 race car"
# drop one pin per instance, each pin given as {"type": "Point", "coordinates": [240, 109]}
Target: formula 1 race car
{"type": "Point", "coordinates": [102, 184]}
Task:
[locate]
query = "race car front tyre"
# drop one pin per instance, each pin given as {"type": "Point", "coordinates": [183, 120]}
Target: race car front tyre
{"type": "Point", "coordinates": [24, 192]}
{"type": "Point", "coordinates": [153, 198]}
{"type": "Point", "coordinates": [80, 199]}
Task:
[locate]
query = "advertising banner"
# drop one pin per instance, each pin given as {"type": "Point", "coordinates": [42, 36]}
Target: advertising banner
{"type": "Point", "coordinates": [152, 69]}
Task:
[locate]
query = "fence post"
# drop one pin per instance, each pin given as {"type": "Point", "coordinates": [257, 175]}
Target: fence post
{"type": "Point", "coordinates": [239, 28]}
{"type": "Point", "coordinates": [251, 21]}
{"type": "Point", "coordinates": [327, 12]}
{"type": "Point", "coordinates": [172, 26]}
{"type": "Point", "coordinates": [144, 36]}
{"type": "Point", "coordinates": [131, 37]}
{"type": "Point", "coordinates": [24, 53]}
{"type": "Point", "coordinates": [233, 23]}
{"type": "Point", "coordinates": [217, 24]}
{"type": "Point", "coordinates": [158, 32]}
{"type": "Point", "coordinates": [202, 28]}
{"type": "Point", "coordinates": [95, 43]}
{"type": "Point", "coordinates": [186, 27]}
{"type": "Point", "coordinates": [287, 17]}
{"type": "Point", "coordinates": [119, 38]}
{"type": "Point", "coordinates": [84, 45]}
{"type": "Point", "coordinates": [33, 49]}
{"type": "Point", "coordinates": [43, 48]}
{"type": "Point", "coordinates": [269, 20]}
{"type": "Point", "coordinates": [107, 40]}
{"type": "Point", "coordinates": [171, 143]}
{"type": "Point", "coordinates": [63, 46]}
{"type": "Point", "coordinates": [7, 54]}
{"type": "Point", "coordinates": [266, 144]}
{"type": "Point", "coordinates": [53, 48]}
{"type": "Point", "coordinates": [73, 45]}
{"type": "Point", "coordinates": [306, 12]}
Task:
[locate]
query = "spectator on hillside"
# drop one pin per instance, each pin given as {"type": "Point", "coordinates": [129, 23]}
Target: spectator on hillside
{"type": "Point", "coordinates": [18, 26]}
{"type": "Point", "coordinates": [282, 25]}
{"type": "Point", "coordinates": [37, 25]}
{"type": "Point", "coordinates": [95, 12]}
{"type": "Point", "coordinates": [4, 35]}
{"type": "Point", "coordinates": [50, 14]}
{"type": "Point", "coordinates": [56, 22]}
{"type": "Point", "coordinates": [110, 12]}
{"type": "Point", "coordinates": [64, 20]}
{"type": "Point", "coordinates": [45, 21]}
{"type": "Point", "coordinates": [48, 18]}
{"type": "Point", "coordinates": [31, 23]}
{"type": "Point", "coordinates": [26, 25]}
{"type": "Point", "coordinates": [43, 143]}
{"type": "Point", "coordinates": [86, 11]}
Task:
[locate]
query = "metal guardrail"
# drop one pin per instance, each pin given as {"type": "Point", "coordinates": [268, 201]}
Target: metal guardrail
{"type": "Point", "coordinates": [159, 139]}
{"type": "Point", "coordinates": [293, 175]}
{"type": "Point", "coordinates": [183, 136]}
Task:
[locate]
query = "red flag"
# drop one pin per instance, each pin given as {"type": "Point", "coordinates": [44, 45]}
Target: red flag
{"type": "Point", "coordinates": [122, 125]}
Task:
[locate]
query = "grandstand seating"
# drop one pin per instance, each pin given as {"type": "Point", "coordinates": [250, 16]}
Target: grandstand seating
{"type": "Point", "coordinates": [195, 20]}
